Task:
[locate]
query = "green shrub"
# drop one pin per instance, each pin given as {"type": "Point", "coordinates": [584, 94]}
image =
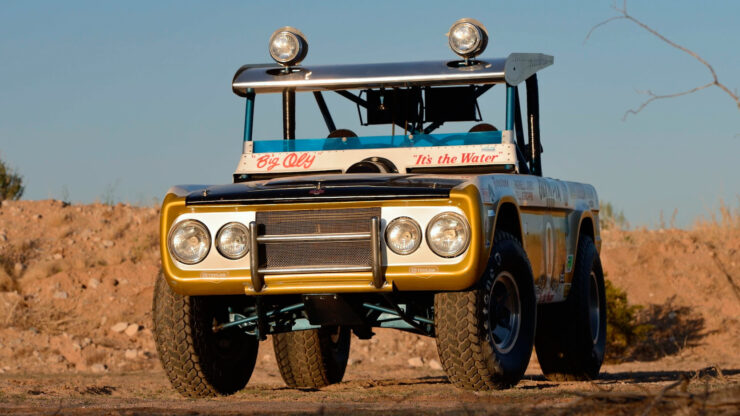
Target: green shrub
{"type": "Point", "coordinates": [11, 184]}
{"type": "Point", "coordinates": [623, 329]}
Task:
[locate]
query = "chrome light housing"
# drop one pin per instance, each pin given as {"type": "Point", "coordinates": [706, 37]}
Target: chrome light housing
{"type": "Point", "coordinates": [232, 240]}
{"type": "Point", "coordinates": [448, 234]}
{"type": "Point", "coordinates": [189, 241]}
{"type": "Point", "coordinates": [288, 46]}
{"type": "Point", "coordinates": [468, 38]}
{"type": "Point", "coordinates": [403, 235]}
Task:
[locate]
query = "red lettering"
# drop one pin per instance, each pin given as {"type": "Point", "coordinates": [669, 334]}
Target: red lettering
{"type": "Point", "coordinates": [267, 161]}
{"type": "Point", "coordinates": [423, 159]}
{"type": "Point", "coordinates": [302, 160]}
{"type": "Point", "coordinates": [262, 161]}
{"type": "Point", "coordinates": [474, 158]}
{"type": "Point", "coordinates": [445, 159]}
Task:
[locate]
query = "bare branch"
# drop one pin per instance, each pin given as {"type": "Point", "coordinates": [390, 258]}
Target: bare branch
{"type": "Point", "coordinates": [623, 14]}
{"type": "Point", "coordinates": [611, 19]}
{"type": "Point", "coordinates": [654, 97]}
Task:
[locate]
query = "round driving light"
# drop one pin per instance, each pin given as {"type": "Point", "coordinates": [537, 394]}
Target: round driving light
{"type": "Point", "coordinates": [232, 240]}
{"type": "Point", "coordinates": [448, 234]}
{"type": "Point", "coordinates": [468, 38]}
{"type": "Point", "coordinates": [189, 242]}
{"type": "Point", "coordinates": [288, 46]}
{"type": "Point", "coordinates": [403, 235]}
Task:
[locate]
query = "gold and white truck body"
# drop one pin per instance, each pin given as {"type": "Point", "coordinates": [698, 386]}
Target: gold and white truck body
{"type": "Point", "coordinates": [457, 236]}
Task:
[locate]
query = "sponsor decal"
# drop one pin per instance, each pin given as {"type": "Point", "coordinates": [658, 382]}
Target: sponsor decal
{"type": "Point", "coordinates": [501, 182]}
{"type": "Point", "coordinates": [523, 185]}
{"type": "Point", "coordinates": [525, 196]}
{"type": "Point", "coordinates": [477, 158]}
{"type": "Point", "coordinates": [213, 275]}
{"type": "Point", "coordinates": [569, 264]}
{"type": "Point", "coordinates": [423, 160]}
{"type": "Point", "coordinates": [546, 297]}
{"type": "Point", "coordinates": [425, 269]}
{"type": "Point", "coordinates": [549, 190]}
{"type": "Point", "coordinates": [577, 191]}
{"type": "Point", "coordinates": [289, 161]}
{"type": "Point", "coordinates": [564, 192]}
{"type": "Point", "coordinates": [448, 159]}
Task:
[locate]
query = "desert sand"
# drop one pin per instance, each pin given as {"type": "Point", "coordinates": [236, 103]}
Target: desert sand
{"type": "Point", "coordinates": [75, 330]}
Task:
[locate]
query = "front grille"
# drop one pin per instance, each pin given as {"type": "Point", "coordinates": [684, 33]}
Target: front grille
{"type": "Point", "coordinates": [295, 254]}
{"type": "Point", "coordinates": [287, 254]}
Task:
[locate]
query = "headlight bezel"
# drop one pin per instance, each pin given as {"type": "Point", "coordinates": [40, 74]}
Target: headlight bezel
{"type": "Point", "coordinates": [466, 227]}
{"type": "Point", "coordinates": [217, 240]}
{"type": "Point", "coordinates": [405, 220]}
{"type": "Point", "coordinates": [177, 227]}
{"type": "Point", "coordinates": [298, 37]}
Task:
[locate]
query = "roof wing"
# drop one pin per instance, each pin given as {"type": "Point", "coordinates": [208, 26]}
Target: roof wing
{"type": "Point", "coordinates": [520, 66]}
{"type": "Point", "coordinates": [267, 78]}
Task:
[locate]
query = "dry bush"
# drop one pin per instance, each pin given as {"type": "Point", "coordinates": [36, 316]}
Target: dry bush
{"type": "Point", "coordinates": [728, 218]}
{"type": "Point", "coordinates": [720, 228]}
{"type": "Point", "coordinates": [12, 256]}
{"type": "Point", "coordinates": [611, 218]}
{"type": "Point", "coordinates": [145, 247]}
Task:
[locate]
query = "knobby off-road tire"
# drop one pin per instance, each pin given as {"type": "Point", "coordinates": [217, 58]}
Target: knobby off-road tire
{"type": "Point", "coordinates": [485, 334]}
{"type": "Point", "coordinates": [312, 359]}
{"type": "Point", "coordinates": [199, 362]}
{"type": "Point", "coordinates": [571, 335]}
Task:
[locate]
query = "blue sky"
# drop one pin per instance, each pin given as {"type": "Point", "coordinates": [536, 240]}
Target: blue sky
{"type": "Point", "coordinates": [121, 100]}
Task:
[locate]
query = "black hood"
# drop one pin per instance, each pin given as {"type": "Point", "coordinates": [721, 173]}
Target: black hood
{"type": "Point", "coordinates": [348, 187]}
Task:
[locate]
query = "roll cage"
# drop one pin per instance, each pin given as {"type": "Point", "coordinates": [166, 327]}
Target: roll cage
{"type": "Point", "coordinates": [416, 96]}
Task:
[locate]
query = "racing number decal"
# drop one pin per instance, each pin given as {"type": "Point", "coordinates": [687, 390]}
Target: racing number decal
{"type": "Point", "coordinates": [550, 250]}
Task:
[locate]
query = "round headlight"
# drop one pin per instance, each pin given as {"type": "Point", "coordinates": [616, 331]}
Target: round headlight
{"type": "Point", "coordinates": [288, 46]}
{"type": "Point", "coordinates": [232, 240]}
{"type": "Point", "coordinates": [189, 242]}
{"type": "Point", "coordinates": [448, 234]}
{"type": "Point", "coordinates": [403, 235]}
{"type": "Point", "coordinates": [468, 38]}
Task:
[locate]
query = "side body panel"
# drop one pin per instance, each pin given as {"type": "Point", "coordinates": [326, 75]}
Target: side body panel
{"type": "Point", "coordinates": [550, 213]}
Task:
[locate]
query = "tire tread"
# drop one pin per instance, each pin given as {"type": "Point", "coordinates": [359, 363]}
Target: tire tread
{"type": "Point", "coordinates": [177, 334]}
{"type": "Point", "coordinates": [463, 349]}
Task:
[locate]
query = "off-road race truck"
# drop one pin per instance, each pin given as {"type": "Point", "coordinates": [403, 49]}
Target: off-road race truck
{"type": "Point", "coordinates": [456, 236]}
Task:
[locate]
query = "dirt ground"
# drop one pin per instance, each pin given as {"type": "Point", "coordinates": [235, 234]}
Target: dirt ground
{"type": "Point", "coordinates": [75, 331]}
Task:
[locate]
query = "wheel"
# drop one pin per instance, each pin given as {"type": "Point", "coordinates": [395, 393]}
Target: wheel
{"type": "Point", "coordinates": [571, 335]}
{"type": "Point", "coordinates": [485, 334]}
{"type": "Point", "coordinates": [199, 362]}
{"type": "Point", "coordinates": [314, 358]}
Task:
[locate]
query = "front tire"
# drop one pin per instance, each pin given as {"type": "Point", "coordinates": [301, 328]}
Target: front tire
{"type": "Point", "coordinates": [314, 358]}
{"type": "Point", "coordinates": [199, 362]}
{"type": "Point", "coordinates": [571, 335]}
{"type": "Point", "coordinates": [485, 334]}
